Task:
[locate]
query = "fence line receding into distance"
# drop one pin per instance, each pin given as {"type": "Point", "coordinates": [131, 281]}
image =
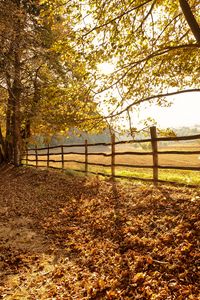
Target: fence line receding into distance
{"type": "Point", "coordinates": [154, 153]}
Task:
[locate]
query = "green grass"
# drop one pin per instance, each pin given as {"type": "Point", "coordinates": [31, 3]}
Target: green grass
{"type": "Point", "coordinates": [182, 176]}
{"type": "Point", "coordinates": [178, 176]}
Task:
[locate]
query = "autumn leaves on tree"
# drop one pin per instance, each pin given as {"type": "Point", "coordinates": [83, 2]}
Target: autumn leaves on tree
{"type": "Point", "coordinates": [50, 52]}
{"type": "Point", "coordinates": [42, 76]}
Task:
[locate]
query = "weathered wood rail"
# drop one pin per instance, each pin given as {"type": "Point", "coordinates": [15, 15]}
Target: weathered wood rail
{"type": "Point", "coordinates": [154, 153]}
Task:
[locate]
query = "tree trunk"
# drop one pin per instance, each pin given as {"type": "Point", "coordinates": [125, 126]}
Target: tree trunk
{"type": "Point", "coordinates": [16, 132]}
{"type": "Point", "coordinates": [16, 93]}
{"type": "Point", "coordinates": [194, 26]}
{"type": "Point", "coordinates": [16, 112]}
{"type": "Point", "coordinates": [9, 126]}
{"type": "Point", "coordinates": [2, 148]}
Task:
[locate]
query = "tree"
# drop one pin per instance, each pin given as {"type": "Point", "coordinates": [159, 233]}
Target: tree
{"type": "Point", "coordinates": [50, 52]}
{"type": "Point", "coordinates": [40, 73]}
{"type": "Point", "coordinates": [11, 49]}
{"type": "Point", "coordinates": [154, 45]}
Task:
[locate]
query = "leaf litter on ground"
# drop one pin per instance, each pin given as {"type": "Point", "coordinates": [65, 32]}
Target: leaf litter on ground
{"type": "Point", "coordinates": [71, 237]}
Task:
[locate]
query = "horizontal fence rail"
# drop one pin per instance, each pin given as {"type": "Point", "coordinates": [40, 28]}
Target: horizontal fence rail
{"type": "Point", "coordinates": [34, 155]}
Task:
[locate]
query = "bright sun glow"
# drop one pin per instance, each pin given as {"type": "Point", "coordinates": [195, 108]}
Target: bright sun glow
{"type": "Point", "coordinates": [183, 112]}
{"type": "Point", "coordinates": [106, 68]}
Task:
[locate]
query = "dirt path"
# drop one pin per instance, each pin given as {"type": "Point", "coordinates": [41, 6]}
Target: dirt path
{"type": "Point", "coordinates": [27, 198]}
{"type": "Point", "coordinates": [64, 237]}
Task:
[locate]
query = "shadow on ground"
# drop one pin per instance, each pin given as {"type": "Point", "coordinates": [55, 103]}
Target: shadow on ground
{"type": "Point", "coordinates": [66, 237]}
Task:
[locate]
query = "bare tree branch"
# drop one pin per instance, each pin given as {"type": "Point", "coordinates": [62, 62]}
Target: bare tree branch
{"type": "Point", "coordinates": [150, 98]}
{"type": "Point", "coordinates": [128, 107]}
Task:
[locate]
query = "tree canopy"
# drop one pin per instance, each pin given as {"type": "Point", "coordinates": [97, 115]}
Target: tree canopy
{"type": "Point", "coordinates": [153, 44]}
{"type": "Point", "coordinates": [51, 52]}
{"type": "Point", "coordinates": [43, 80]}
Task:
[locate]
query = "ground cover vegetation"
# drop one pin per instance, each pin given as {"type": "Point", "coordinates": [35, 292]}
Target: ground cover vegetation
{"type": "Point", "coordinates": [66, 237]}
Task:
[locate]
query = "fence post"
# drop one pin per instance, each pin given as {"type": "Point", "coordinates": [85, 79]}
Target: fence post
{"type": "Point", "coordinates": [36, 156]}
{"type": "Point", "coordinates": [86, 157]}
{"type": "Point", "coordinates": [62, 157]}
{"type": "Point", "coordinates": [113, 156]}
{"type": "Point", "coordinates": [154, 145]}
{"type": "Point", "coordinates": [48, 156]}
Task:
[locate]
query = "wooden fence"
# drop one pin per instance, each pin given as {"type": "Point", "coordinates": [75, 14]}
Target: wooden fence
{"type": "Point", "coordinates": [154, 153]}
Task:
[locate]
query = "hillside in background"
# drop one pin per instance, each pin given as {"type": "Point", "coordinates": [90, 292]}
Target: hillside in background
{"type": "Point", "coordinates": [185, 130]}
{"type": "Point", "coordinates": [79, 137]}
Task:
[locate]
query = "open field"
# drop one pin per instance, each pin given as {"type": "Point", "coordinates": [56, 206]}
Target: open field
{"type": "Point", "coordinates": [66, 237]}
{"type": "Point", "coordinates": [188, 177]}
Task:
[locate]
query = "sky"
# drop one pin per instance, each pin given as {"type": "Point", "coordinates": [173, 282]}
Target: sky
{"type": "Point", "coordinates": [184, 111]}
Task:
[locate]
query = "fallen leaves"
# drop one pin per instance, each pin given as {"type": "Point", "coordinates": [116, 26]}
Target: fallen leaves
{"type": "Point", "coordinates": [89, 240]}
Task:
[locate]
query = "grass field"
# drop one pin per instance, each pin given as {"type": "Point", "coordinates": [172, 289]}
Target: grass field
{"type": "Point", "coordinates": [182, 176]}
